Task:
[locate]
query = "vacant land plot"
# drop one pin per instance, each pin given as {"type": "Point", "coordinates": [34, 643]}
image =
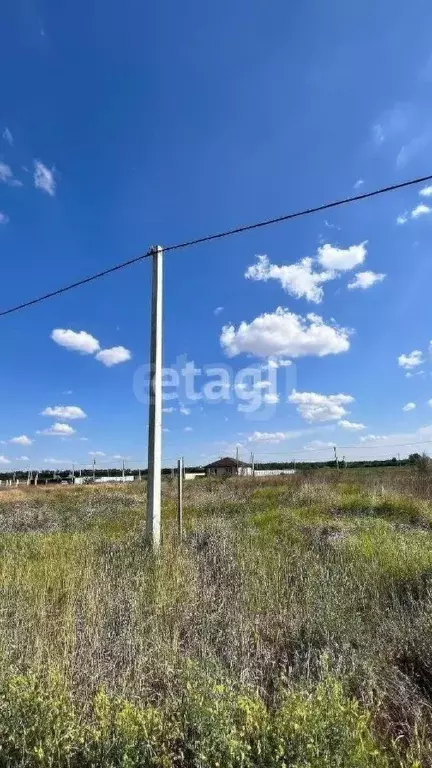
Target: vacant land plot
{"type": "Point", "coordinates": [293, 627]}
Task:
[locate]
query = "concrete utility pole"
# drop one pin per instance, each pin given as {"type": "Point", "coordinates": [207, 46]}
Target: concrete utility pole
{"type": "Point", "coordinates": [336, 458]}
{"type": "Point", "coordinates": [253, 464]}
{"type": "Point", "coordinates": [180, 499]}
{"type": "Point", "coordinates": [94, 470]}
{"type": "Point", "coordinates": [123, 471]}
{"type": "Point", "coordinates": [155, 407]}
{"type": "Point", "coordinates": [237, 460]}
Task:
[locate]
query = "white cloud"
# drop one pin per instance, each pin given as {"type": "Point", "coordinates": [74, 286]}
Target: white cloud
{"type": "Point", "coordinates": [23, 458]}
{"type": "Point", "coordinates": [378, 134]}
{"type": "Point", "coordinates": [188, 429]}
{"type": "Point", "coordinates": [183, 410]}
{"type": "Point", "coordinates": [409, 375]}
{"type": "Point", "coordinates": [314, 407]}
{"type": "Point", "coordinates": [430, 403]}
{"type": "Point", "coordinates": [299, 279]}
{"type": "Point", "coordinates": [420, 210]}
{"type": "Point", "coordinates": [8, 136]}
{"type": "Point", "coordinates": [402, 218]}
{"type": "Point", "coordinates": [4, 460]}
{"type": "Point", "coordinates": [4, 218]}
{"type": "Point", "coordinates": [58, 429]}
{"type": "Point", "coordinates": [80, 341]}
{"type": "Point", "coordinates": [218, 310]}
{"type": "Point", "coordinates": [265, 384]}
{"type": "Point", "coordinates": [409, 407]}
{"type": "Point", "coordinates": [412, 360]}
{"type": "Point", "coordinates": [317, 445]}
{"type": "Point", "coordinates": [341, 259]}
{"type": "Point", "coordinates": [358, 183]}
{"type": "Point", "coordinates": [169, 409]}
{"type": "Point", "coordinates": [266, 437]}
{"type": "Point", "coordinates": [113, 356]}
{"type": "Point", "coordinates": [6, 174]}
{"type": "Point", "coordinates": [350, 425]}
{"type": "Point", "coordinates": [21, 440]}
{"type": "Point", "coordinates": [373, 438]}
{"type": "Point", "coordinates": [68, 412]}
{"type": "Point", "coordinates": [285, 333]}
{"type": "Point", "coordinates": [365, 280]}
{"type": "Point", "coordinates": [44, 178]}
{"type": "Point", "coordinates": [57, 462]}
{"type": "Point", "coordinates": [271, 398]}
{"type": "Point", "coordinates": [426, 191]}
{"type": "Point", "coordinates": [274, 363]}
{"type": "Point", "coordinates": [97, 453]}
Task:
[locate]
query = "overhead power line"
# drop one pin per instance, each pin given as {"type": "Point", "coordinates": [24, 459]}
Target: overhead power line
{"type": "Point", "coordinates": [324, 448]}
{"type": "Point", "coordinates": [218, 236]}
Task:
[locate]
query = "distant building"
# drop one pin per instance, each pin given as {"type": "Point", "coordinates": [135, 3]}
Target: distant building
{"type": "Point", "coordinates": [227, 467]}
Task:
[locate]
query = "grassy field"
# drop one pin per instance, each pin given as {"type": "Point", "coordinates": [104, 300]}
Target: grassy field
{"type": "Point", "coordinates": [293, 627]}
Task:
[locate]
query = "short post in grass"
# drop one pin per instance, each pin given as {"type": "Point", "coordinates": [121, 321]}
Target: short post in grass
{"type": "Point", "coordinates": [180, 499]}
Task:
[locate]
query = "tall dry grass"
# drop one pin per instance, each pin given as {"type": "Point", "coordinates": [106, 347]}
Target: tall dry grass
{"type": "Point", "coordinates": [295, 606]}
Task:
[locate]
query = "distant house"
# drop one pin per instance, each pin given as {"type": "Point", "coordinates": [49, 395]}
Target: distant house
{"type": "Point", "coordinates": [227, 467]}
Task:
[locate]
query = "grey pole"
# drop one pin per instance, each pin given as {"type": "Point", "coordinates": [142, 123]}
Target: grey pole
{"type": "Point", "coordinates": [180, 499]}
{"type": "Point", "coordinates": [155, 407]}
{"type": "Point", "coordinates": [336, 458]}
{"type": "Point", "coordinates": [94, 470]}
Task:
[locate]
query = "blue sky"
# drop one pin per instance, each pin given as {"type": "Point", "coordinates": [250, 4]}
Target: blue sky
{"type": "Point", "coordinates": [132, 124]}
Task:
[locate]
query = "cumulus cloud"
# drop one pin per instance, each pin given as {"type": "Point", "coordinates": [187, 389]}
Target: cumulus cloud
{"type": "Point", "coordinates": [283, 333]}
{"type": "Point", "coordinates": [168, 409]}
{"type": "Point", "coordinates": [5, 173]}
{"type": "Point", "coordinates": [113, 356]}
{"type": "Point", "coordinates": [7, 177]}
{"type": "Point", "coordinates": [342, 259]}
{"type": "Point", "coordinates": [271, 398]}
{"type": "Point", "coordinates": [21, 440]}
{"type": "Point", "coordinates": [44, 178]}
{"type": "Point", "coordinates": [373, 438]}
{"type": "Point", "coordinates": [409, 407]}
{"type": "Point", "coordinates": [314, 407]}
{"type": "Point", "coordinates": [218, 310]}
{"type": "Point", "coordinates": [57, 462]}
{"type": "Point", "coordinates": [299, 279]}
{"type": "Point", "coordinates": [23, 458]}
{"type": "Point", "coordinates": [78, 341]}
{"type": "Point", "coordinates": [420, 210]}
{"type": "Point", "coordinates": [4, 218]}
{"type": "Point", "coordinates": [8, 136]}
{"type": "Point", "coordinates": [68, 412]}
{"type": "Point", "coordinates": [365, 280]}
{"type": "Point", "coordinates": [359, 183]}
{"type": "Point", "coordinates": [4, 460]}
{"type": "Point", "coordinates": [96, 453]}
{"type": "Point", "coordinates": [426, 191]}
{"type": "Point", "coordinates": [184, 411]}
{"type": "Point", "coordinates": [318, 445]}
{"type": "Point", "coordinates": [188, 429]}
{"type": "Point", "coordinates": [266, 437]}
{"type": "Point", "coordinates": [350, 425]}
{"type": "Point", "coordinates": [402, 218]}
{"type": "Point", "coordinates": [412, 360]}
{"type": "Point", "coordinates": [59, 430]}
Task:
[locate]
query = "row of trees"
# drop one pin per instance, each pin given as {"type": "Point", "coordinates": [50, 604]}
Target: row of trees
{"type": "Point", "coordinates": [420, 461]}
